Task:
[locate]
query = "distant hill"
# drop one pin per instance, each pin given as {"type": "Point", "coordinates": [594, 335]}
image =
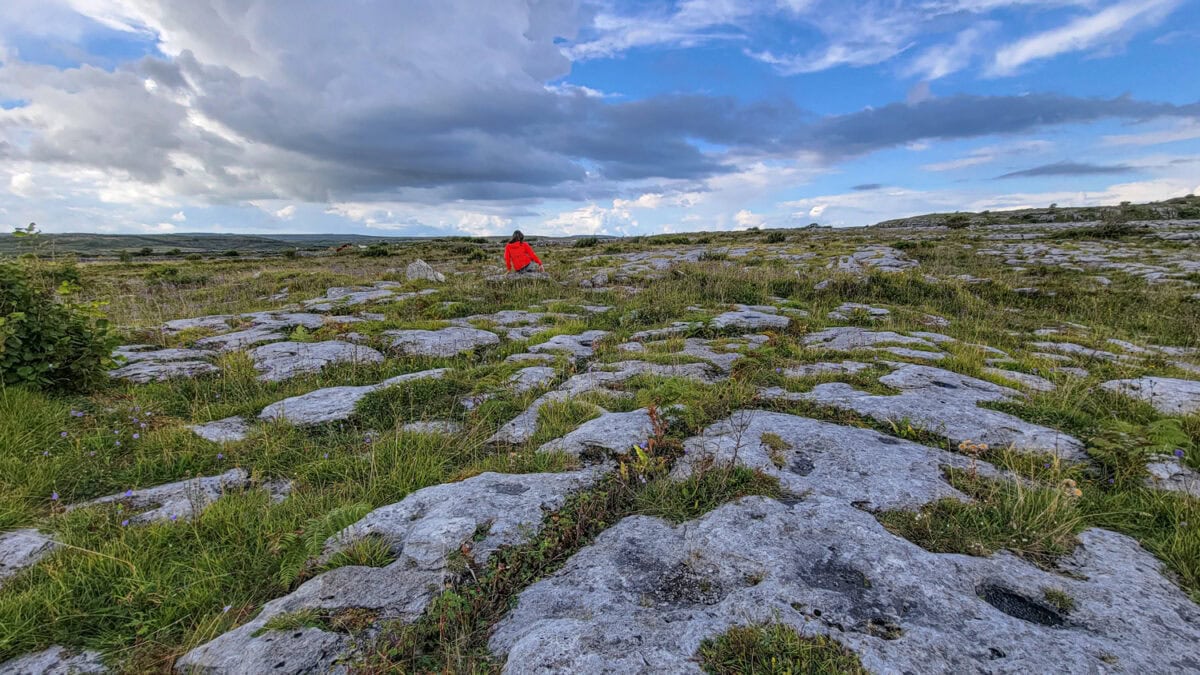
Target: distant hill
{"type": "Point", "coordinates": [1180, 208]}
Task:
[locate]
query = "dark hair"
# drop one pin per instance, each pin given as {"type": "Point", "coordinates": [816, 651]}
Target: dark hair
{"type": "Point", "coordinates": [517, 236]}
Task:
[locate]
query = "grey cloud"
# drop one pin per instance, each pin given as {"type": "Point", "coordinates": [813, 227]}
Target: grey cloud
{"type": "Point", "coordinates": [1068, 169]}
{"type": "Point", "coordinates": [867, 187]}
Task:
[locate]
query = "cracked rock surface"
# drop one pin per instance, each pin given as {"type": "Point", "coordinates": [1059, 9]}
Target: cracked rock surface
{"type": "Point", "coordinates": [334, 403]}
{"type": "Point", "coordinates": [945, 403]}
{"type": "Point", "coordinates": [644, 596]}
{"type": "Point", "coordinates": [444, 342]}
{"type": "Point", "coordinates": [422, 531]}
{"type": "Point", "coordinates": [284, 360]}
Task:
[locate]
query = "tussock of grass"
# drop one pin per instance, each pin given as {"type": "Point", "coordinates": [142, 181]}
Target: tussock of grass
{"type": "Point", "coordinates": [776, 649]}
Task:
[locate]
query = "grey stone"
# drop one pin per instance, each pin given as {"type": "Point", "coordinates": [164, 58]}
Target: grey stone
{"type": "Point", "coordinates": [445, 342]}
{"type": "Point", "coordinates": [143, 372]}
{"type": "Point", "coordinates": [848, 309]}
{"type": "Point", "coordinates": [228, 430]}
{"type": "Point", "coordinates": [858, 466]}
{"type": "Point", "coordinates": [879, 258]}
{"type": "Point", "coordinates": [239, 340]}
{"type": "Point", "coordinates": [20, 549]}
{"type": "Point", "coordinates": [644, 596]}
{"type": "Point", "coordinates": [448, 427]}
{"type": "Point", "coordinates": [537, 358]}
{"type": "Point", "coordinates": [285, 360]}
{"type": "Point", "coordinates": [749, 319]}
{"type": "Point", "coordinates": [610, 433]}
{"type": "Point", "coordinates": [1026, 380]}
{"type": "Point", "coordinates": [1168, 395]}
{"type": "Point", "coordinates": [580, 346]}
{"type": "Point", "coordinates": [219, 322]}
{"type": "Point", "coordinates": [944, 402]}
{"type": "Point", "coordinates": [423, 531]}
{"type": "Point", "coordinates": [847, 339]}
{"type": "Point", "coordinates": [677, 328]}
{"type": "Point", "coordinates": [533, 377]}
{"type": "Point", "coordinates": [332, 404]}
{"type": "Point", "coordinates": [1073, 372]}
{"type": "Point", "coordinates": [419, 270]}
{"type": "Point", "coordinates": [180, 500]}
{"type": "Point", "coordinates": [55, 660]}
{"type": "Point", "coordinates": [826, 368]}
{"type": "Point", "coordinates": [1073, 349]}
{"type": "Point", "coordinates": [914, 353]}
{"type": "Point", "coordinates": [1168, 473]}
{"type": "Point", "coordinates": [131, 354]}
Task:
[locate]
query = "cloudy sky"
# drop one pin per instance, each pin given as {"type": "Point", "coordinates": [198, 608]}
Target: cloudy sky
{"type": "Point", "coordinates": [466, 117]}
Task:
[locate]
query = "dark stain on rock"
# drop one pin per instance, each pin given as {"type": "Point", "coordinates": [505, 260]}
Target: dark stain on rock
{"type": "Point", "coordinates": [513, 489]}
{"type": "Point", "coordinates": [1016, 605]}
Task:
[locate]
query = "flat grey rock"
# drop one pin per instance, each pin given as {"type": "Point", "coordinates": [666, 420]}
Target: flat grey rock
{"type": "Point", "coordinates": [1168, 473]}
{"type": "Point", "coordinates": [332, 404]}
{"type": "Point", "coordinates": [1032, 382]}
{"type": "Point", "coordinates": [228, 430]}
{"type": "Point", "coordinates": [174, 501]}
{"type": "Point", "coordinates": [55, 660]}
{"type": "Point", "coordinates": [858, 466]}
{"type": "Point", "coordinates": [677, 328]}
{"type": "Point", "coordinates": [945, 403]}
{"type": "Point", "coordinates": [136, 353]}
{"type": "Point", "coordinates": [826, 368]}
{"type": "Point", "coordinates": [610, 433]}
{"type": "Point", "coordinates": [1168, 395]}
{"type": "Point", "coordinates": [143, 372]}
{"type": "Point", "coordinates": [749, 319]}
{"type": "Point", "coordinates": [878, 258]}
{"type": "Point", "coordinates": [444, 342]}
{"type": "Point", "coordinates": [239, 340]}
{"type": "Point", "coordinates": [644, 596]}
{"type": "Point", "coordinates": [217, 322]}
{"type": "Point", "coordinates": [1072, 349]}
{"type": "Point", "coordinates": [1073, 372]}
{"type": "Point", "coordinates": [419, 270]}
{"type": "Point", "coordinates": [285, 360]}
{"type": "Point", "coordinates": [526, 357]}
{"type": "Point", "coordinates": [423, 532]}
{"type": "Point", "coordinates": [532, 377]}
{"type": "Point", "coordinates": [848, 309]}
{"type": "Point", "coordinates": [848, 338]}
{"type": "Point", "coordinates": [433, 427]}
{"type": "Point", "coordinates": [580, 346]}
{"type": "Point", "coordinates": [913, 353]}
{"type": "Point", "coordinates": [21, 549]}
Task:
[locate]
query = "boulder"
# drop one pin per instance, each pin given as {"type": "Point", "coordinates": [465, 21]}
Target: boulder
{"type": "Point", "coordinates": [419, 270]}
{"type": "Point", "coordinates": [55, 660]}
{"type": "Point", "coordinates": [1168, 395]}
{"type": "Point", "coordinates": [441, 343]}
{"type": "Point", "coordinates": [20, 549]}
{"type": "Point", "coordinates": [228, 430]}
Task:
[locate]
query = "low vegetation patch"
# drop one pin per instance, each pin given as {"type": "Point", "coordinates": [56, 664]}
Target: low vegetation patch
{"type": "Point", "coordinates": [776, 649]}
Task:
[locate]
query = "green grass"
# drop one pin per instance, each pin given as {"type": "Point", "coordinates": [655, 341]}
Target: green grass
{"type": "Point", "coordinates": [776, 649]}
{"type": "Point", "coordinates": [143, 595]}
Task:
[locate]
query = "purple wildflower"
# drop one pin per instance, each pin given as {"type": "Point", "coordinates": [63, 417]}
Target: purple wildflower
{"type": "Point", "coordinates": [129, 493]}
{"type": "Point", "coordinates": [136, 436]}
{"type": "Point", "coordinates": [226, 608]}
{"type": "Point", "coordinates": [118, 444]}
{"type": "Point", "coordinates": [53, 496]}
{"type": "Point", "coordinates": [327, 455]}
{"type": "Point", "coordinates": [63, 434]}
{"type": "Point", "coordinates": [1179, 452]}
{"type": "Point", "coordinates": [174, 517]}
{"type": "Point", "coordinates": [125, 523]}
{"type": "Point", "coordinates": [220, 455]}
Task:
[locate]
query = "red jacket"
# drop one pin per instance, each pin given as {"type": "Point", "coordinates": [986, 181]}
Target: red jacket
{"type": "Point", "coordinates": [519, 254]}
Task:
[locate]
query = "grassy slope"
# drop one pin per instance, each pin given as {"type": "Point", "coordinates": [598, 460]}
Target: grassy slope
{"type": "Point", "coordinates": [144, 595]}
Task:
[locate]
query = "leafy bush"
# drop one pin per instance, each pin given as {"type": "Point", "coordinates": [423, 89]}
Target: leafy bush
{"type": "Point", "coordinates": [231, 253]}
{"type": "Point", "coordinates": [169, 274]}
{"type": "Point", "coordinates": [45, 340]}
{"type": "Point", "coordinates": [957, 221]}
{"type": "Point", "coordinates": [289, 253]}
{"type": "Point", "coordinates": [586, 242]}
{"type": "Point", "coordinates": [193, 257]}
{"type": "Point", "coordinates": [776, 238]}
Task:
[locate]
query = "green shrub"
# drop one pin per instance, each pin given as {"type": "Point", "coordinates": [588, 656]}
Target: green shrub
{"type": "Point", "coordinates": [125, 256]}
{"type": "Point", "coordinates": [776, 238]}
{"type": "Point", "coordinates": [231, 253]}
{"type": "Point", "coordinates": [586, 242]}
{"type": "Point", "coordinates": [193, 257]}
{"type": "Point", "coordinates": [289, 253]}
{"type": "Point", "coordinates": [375, 251]}
{"type": "Point", "coordinates": [957, 221]}
{"type": "Point", "coordinates": [45, 340]}
{"type": "Point", "coordinates": [144, 252]}
{"type": "Point", "coordinates": [169, 274]}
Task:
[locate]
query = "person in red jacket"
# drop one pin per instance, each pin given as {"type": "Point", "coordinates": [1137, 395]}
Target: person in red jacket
{"type": "Point", "coordinates": [519, 256]}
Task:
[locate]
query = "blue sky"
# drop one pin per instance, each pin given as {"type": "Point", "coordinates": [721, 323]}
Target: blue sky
{"type": "Point", "coordinates": [561, 117]}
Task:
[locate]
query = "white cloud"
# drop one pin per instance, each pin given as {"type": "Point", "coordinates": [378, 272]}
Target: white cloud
{"type": "Point", "coordinates": [747, 219]}
{"type": "Point", "coordinates": [991, 153]}
{"type": "Point", "coordinates": [942, 60]}
{"type": "Point", "coordinates": [1183, 130]}
{"type": "Point", "coordinates": [179, 217]}
{"type": "Point", "coordinates": [286, 213]}
{"type": "Point", "coordinates": [21, 184]}
{"type": "Point", "coordinates": [1113, 24]}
